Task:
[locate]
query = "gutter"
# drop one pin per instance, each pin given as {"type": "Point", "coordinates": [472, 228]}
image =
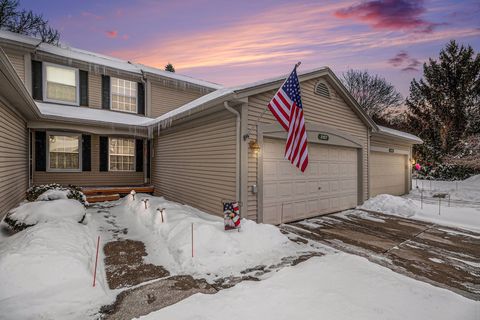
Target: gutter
{"type": "Point", "coordinates": [237, 147]}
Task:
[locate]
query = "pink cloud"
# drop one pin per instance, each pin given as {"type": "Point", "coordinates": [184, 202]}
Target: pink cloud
{"type": "Point", "coordinates": [403, 59]}
{"type": "Point", "coordinates": [112, 33]}
{"type": "Point", "coordinates": [390, 15]}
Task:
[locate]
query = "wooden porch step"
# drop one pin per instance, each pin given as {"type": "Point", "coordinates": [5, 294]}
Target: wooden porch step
{"type": "Point", "coordinates": [102, 198]}
{"type": "Point", "coordinates": [114, 190]}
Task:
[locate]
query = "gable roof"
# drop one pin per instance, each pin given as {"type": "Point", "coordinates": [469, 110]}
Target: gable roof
{"type": "Point", "coordinates": [398, 134]}
{"type": "Point", "coordinates": [65, 51]}
{"type": "Point", "coordinates": [249, 89]}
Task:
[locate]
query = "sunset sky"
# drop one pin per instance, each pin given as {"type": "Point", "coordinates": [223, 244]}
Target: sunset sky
{"type": "Point", "coordinates": [234, 42]}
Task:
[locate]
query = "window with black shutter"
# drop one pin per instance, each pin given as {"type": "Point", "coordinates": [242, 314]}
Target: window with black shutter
{"type": "Point", "coordinates": [103, 153]}
{"type": "Point", "coordinates": [40, 151]}
{"type": "Point", "coordinates": [83, 88]}
{"type": "Point", "coordinates": [141, 99]}
{"type": "Point", "coordinates": [105, 92]}
{"type": "Point", "coordinates": [139, 155]}
{"type": "Point", "coordinates": [37, 80]}
{"type": "Point", "coordinates": [86, 152]}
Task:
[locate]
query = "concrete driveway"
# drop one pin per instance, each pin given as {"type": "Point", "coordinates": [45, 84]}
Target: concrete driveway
{"type": "Point", "coordinates": [443, 256]}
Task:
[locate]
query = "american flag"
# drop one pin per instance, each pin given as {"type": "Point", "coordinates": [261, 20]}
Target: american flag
{"type": "Point", "coordinates": [286, 106]}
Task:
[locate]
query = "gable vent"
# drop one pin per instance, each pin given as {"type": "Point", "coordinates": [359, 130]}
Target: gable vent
{"type": "Point", "coordinates": [322, 90]}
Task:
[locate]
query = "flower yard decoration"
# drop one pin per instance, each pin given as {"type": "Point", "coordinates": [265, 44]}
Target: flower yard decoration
{"type": "Point", "coordinates": [231, 212]}
{"type": "Point", "coordinates": [418, 166]}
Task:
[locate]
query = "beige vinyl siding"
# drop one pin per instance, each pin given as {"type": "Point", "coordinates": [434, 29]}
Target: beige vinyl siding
{"type": "Point", "coordinates": [94, 90]}
{"type": "Point", "coordinates": [18, 62]}
{"type": "Point", "coordinates": [396, 144]}
{"type": "Point", "coordinates": [90, 178]}
{"type": "Point", "coordinates": [165, 99]}
{"type": "Point", "coordinates": [194, 163]}
{"type": "Point", "coordinates": [332, 111]}
{"type": "Point", "coordinates": [13, 159]}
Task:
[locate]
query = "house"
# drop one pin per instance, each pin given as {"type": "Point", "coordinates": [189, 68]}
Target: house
{"type": "Point", "coordinates": [76, 117]}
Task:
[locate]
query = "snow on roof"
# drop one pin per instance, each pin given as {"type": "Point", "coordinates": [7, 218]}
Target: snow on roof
{"type": "Point", "coordinates": [187, 109]}
{"type": "Point", "coordinates": [66, 51]}
{"type": "Point", "coordinates": [91, 114]}
{"type": "Point", "coordinates": [399, 134]}
{"type": "Point", "coordinates": [274, 79]}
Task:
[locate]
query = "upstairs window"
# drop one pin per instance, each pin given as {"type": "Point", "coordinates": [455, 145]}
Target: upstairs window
{"type": "Point", "coordinates": [61, 84]}
{"type": "Point", "coordinates": [124, 95]}
{"type": "Point", "coordinates": [64, 152]}
{"type": "Point", "coordinates": [121, 154]}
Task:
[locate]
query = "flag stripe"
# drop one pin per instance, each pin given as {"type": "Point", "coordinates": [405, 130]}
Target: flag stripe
{"type": "Point", "coordinates": [286, 106]}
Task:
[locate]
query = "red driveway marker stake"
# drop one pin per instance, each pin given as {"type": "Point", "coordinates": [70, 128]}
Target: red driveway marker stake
{"type": "Point", "coordinates": [96, 260]}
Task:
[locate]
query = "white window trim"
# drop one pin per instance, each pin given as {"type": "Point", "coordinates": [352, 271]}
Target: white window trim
{"type": "Point", "coordinates": [80, 155]}
{"type": "Point", "coordinates": [44, 84]}
{"type": "Point", "coordinates": [134, 155]}
{"type": "Point", "coordinates": [126, 111]}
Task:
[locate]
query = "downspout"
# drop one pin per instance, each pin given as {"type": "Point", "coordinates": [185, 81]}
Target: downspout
{"type": "Point", "coordinates": [237, 148]}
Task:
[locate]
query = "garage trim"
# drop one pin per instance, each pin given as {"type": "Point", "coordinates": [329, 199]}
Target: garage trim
{"type": "Point", "coordinates": [387, 150]}
{"type": "Point", "coordinates": [336, 138]}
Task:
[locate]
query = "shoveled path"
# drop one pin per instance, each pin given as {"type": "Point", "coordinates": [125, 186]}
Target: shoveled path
{"type": "Point", "coordinates": [144, 287]}
{"type": "Point", "coordinates": [443, 256]}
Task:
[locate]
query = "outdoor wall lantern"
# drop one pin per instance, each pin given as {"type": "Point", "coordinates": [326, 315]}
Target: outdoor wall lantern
{"type": "Point", "coordinates": [254, 146]}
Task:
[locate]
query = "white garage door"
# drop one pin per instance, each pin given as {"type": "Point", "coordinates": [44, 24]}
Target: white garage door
{"type": "Point", "coordinates": [388, 173]}
{"type": "Point", "coordinates": [328, 185]}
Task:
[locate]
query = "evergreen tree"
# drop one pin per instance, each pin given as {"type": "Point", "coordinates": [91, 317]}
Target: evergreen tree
{"type": "Point", "coordinates": [444, 106]}
{"type": "Point", "coordinates": [372, 92]}
{"type": "Point", "coordinates": [26, 22]}
{"type": "Point", "coordinates": [169, 67]}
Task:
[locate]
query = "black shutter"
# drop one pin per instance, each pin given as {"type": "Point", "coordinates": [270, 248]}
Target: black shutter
{"type": "Point", "coordinates": [148, 158]}
{"type": "Point", "coordinates": [103, 153]}
{"type": "Point", "coordinates": [37, 76]}
{"type": "Point", "coordinates": [141, 98]}
{"type": "Point", "coordinates": [105, 92]}
{"type": "Point", "coordinates": [86, 152]}
{"type": "Point", "coordinates": [40, 151]}
{"type": "Point", "coordinates": [83, 88]}
{"type": "Point", "coordinates": [139, 155]}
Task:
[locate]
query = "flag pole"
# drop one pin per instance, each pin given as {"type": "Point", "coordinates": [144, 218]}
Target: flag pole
{"type": "Point", "coordinates": [266, 108]}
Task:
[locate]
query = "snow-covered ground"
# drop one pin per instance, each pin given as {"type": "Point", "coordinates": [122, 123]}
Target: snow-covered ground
{"type": "Point", "coordinates": [336, 286]}
{"type": "Point", "coordinates": [462, 212]}
{"type": "Point", "coordinates": [467, 190]}
{"type": "Point", "coordinates": [46, 270]}
{"type": "Point", "coordinates": [217, 253]}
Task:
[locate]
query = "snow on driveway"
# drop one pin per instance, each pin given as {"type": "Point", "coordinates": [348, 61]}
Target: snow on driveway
{"type": "Point", "coordinates": [336, 286]}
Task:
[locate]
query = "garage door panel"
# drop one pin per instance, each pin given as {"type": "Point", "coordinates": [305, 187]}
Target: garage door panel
{"type": "Point", "coordinates": [329, 184]}
{"type": "Point", "coordinates": [388, 173]}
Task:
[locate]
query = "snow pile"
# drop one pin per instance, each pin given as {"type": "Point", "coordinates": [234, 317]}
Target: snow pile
{"type": "Point", "coordinates": [473, 180]}
{"type": "Point", "coordinates": [46, 270]}
{"type": "Point", "coordinates": [31, 213]}
{"type": "Point", "coordinates": [389, 204]}
{"type": "Point", "coordinates": [54, 194]}
{"type": "Point", "coordinates": [335, 286]}
{"type": "Point", "coordinates": [454, 216]}
{"type": "Point", "coordinates": [216, 252]}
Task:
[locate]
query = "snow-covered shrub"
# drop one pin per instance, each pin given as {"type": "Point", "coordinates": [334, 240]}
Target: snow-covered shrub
{"type": "Point", "coordinates": [31, 213]}
{"type": "Point", "coordinates": [71, 192]}
{"type": "Point", "coordinates": [444, 172]}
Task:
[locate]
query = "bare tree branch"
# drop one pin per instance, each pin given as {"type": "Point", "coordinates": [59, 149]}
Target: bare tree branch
{"type": "Point", "coordinates": [373, 93]}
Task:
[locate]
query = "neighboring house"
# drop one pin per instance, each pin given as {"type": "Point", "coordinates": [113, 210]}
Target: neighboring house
{"type": "Point", "coordinates": [75, 117]}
